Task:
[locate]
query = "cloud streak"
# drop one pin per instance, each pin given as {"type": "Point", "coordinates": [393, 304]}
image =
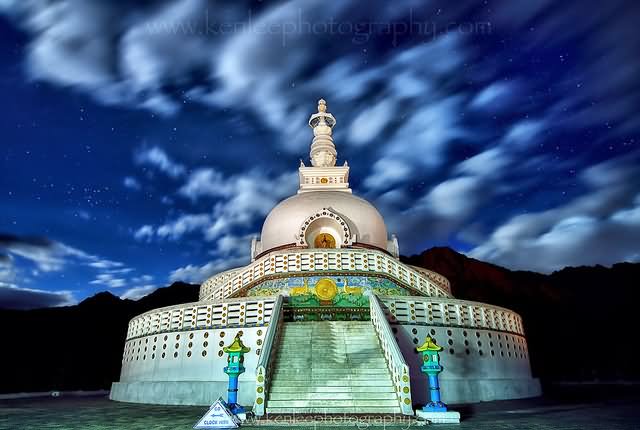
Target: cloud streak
{"type": "Point", "coordinates": [157, 158]}
{"type": "Point", "coordinates": [448, 133]}
{"type": "Point", "coordinates": [601, 228]}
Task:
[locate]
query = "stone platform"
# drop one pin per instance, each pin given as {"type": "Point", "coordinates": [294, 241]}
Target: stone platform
{"type": "Point", "coordinates": [584, 408]}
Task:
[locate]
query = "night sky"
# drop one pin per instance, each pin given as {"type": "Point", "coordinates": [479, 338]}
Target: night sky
{"type": "Point", "coordinates": [144, 142]}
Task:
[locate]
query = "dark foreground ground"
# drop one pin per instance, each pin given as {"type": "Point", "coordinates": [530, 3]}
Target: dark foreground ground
{"type": "Point", "coordinates": [573, 408]}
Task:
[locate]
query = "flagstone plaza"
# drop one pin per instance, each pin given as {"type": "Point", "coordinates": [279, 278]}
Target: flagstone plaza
{"type": "Point", "coordinates": [589, 411]}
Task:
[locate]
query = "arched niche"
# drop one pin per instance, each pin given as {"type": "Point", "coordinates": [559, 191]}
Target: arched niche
{"type": "Point", "coordinates": [325, 229]}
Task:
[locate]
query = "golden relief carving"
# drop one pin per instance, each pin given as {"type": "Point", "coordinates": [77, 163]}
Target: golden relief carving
{"type": "Point", "coordinates": [324, 240]}
{"type": "Point", "coordinates": [300, 291]}
{"type": "Point", "coordinates": [351, 290]}
{"type": "Point", "coordinates": [326, 289]}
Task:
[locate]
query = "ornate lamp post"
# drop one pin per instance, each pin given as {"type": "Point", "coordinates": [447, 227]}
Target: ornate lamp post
{"type": "Point", "coordinates": [432, 368]}
{"type": "Point", "coordinates": [234, 368]}
{"type": "Point", "coordinates": [435, 411]}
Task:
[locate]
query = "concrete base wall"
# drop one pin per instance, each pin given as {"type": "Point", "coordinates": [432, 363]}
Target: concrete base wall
{"type": "Point", "coordinates": [186, 367]}
{"type": "Point", "coordinates": [455, 391]}
{"type": "Point", "coordinates": [193, 393]}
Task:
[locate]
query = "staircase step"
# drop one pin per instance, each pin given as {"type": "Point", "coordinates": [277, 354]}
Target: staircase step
{"type": "Point", "coordinates": [365, 352]}
{"type": "Point", "coordinates": [329, 340]}
{"type": "Point", "coordinates": [329, 355]}
{"type": "Point", "coordinates": [329, 389]}
{"type": "Point", "coordinates": [330, 367]}
{"type": "Point", "coordinates": [304, 365]}
{"type": "Point", "coordinates": [321, 403]}
{"type": "Point", "coordinates": [298, 382]}
{"type": "Point", "coordinates": [338, 368]}
{"type": "Point", "coordinates": [334, 396]}
{"type": "Point", "coordinates": [333, 372]}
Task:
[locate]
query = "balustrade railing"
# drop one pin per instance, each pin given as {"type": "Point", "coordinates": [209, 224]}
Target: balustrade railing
{"type": "Point", "coordinates": [448, 312]}
{"type": "Point", "coordinates": [266, 360]}
{"type": "Point", "coordinates": [241, 312]}
{"type": "Point", "coordinates": [358, 262]}
{"type": "Point", "coordinates": [392, 354]}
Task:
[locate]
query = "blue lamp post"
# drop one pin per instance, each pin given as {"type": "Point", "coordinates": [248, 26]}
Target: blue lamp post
{"type": "Point", "coordinates": [234, 369]}
{"type": "Point", "coordinates": [432, 368]}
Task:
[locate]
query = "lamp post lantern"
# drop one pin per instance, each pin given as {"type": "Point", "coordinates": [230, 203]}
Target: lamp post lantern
{"type": "Point", "coordinates": [432, 368]}
{"type": "Point", "coordinates": [234, 369]}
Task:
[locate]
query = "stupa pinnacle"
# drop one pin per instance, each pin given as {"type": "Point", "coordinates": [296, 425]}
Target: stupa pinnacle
{"type": "Point", "coordinates": [323, 151]}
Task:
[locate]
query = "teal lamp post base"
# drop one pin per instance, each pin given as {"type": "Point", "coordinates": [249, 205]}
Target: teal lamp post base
{"type": "Point", "coordinates": [236, 409]}
{"type": "Point", "coordinates": [448, 417]}
{"type": "Point", "coordinates": [435, 407]}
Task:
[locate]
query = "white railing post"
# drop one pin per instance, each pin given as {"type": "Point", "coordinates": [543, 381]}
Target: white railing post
{"type": "Point", "coordinates": [393, 356]}
{"type": "Point", "coordinates": [265, 361]}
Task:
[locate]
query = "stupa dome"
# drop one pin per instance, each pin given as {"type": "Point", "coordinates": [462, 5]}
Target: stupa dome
{"type": "Point", "coordinates": [304, 217]}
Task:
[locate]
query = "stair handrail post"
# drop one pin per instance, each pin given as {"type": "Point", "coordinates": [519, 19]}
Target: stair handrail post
{"type": "Point", "coordinates": [265, 361]}
{"type": "Point", "coordinates": [393, 356]}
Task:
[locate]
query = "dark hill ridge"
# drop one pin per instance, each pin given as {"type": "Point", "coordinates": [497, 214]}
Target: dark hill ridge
{"type": "Point", "coordinates": [579, 321]}
{"type": "Point", "coordinates": [573, 318]}
{"type": "Point", "coordinates": [74, 347]}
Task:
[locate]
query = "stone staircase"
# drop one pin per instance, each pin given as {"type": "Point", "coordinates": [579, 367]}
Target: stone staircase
{"type": "Point", "coordinates": [330, 367]}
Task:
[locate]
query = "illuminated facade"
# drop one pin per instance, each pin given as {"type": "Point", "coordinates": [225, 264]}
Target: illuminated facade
{"type": "Point", "coordinates": [331, 315]}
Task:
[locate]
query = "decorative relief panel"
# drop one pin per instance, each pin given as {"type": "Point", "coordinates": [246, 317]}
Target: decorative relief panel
{"type": "Point", "coordinates": [315, 285]}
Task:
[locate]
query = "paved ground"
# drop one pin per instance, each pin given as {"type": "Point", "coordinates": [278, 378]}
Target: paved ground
{"type": "Point", "coordinates": [576, 409]}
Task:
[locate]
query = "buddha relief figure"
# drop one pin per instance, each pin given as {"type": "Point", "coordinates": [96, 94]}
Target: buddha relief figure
{"type": "Point", "coordinates": [324, 240]}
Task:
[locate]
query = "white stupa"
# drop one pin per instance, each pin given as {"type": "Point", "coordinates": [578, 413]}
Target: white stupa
{"type": "Point", "coordinates": [331, 315]}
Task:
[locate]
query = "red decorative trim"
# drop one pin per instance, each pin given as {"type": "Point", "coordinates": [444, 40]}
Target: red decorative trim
{"type": "Point", "coordinates": [279, 248]}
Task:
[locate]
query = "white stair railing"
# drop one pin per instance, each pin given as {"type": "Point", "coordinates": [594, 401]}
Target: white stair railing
{"type": "Point", "coordinates": [392, 354]}
{"type": "Point", "coordinates": [265, 362]}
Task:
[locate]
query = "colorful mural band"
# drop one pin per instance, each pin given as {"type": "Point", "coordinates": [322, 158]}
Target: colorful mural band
{"type": "Point", "coordinates": [337, 291]}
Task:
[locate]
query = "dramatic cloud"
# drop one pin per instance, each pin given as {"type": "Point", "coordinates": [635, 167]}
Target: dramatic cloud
{"type": "Point", "coordinates": [497, 96]}
{"type": "Point", "coordinates": [387, 173]}
{"type": "Point", "coordinates": [156, 157]}
{"type": "Point", "coordinates": [12, 297]}
{"type": "Point", "coordinates": [490, 163]}
{"type": "Point", "coordinates": [131, 183]}
{"type": "Point", "coordinates": [150, 54]}
{"type": "Point", "coordinates": [198, 274]}
{"type": "Point", "coordinates": [109, 280]}
{"type": "Point", "coordinates": [240, 201]}
{"type": "Point", "coordinates": [230, 251]}
{"type": "Point", "coordinates": [50, 256]}
{"type": "Point", "coordinates": [136, 293]}
{"type": "Point", "coordinates": [184, 224]}
{"type": "Point", "coordinates": [134, 287]}
{"type": "Point", "coordinates": [37, 256]}
{"type": "Point", "coordinates": [602, 227]}
{"type": "Point", "coordinates": [470, 132]}
{"type": "Point", "coordinates": [144, 232]}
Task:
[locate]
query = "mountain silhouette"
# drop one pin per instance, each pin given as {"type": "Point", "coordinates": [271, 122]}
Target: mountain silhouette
{"type": "Point", "coordinates": [579, 323]}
